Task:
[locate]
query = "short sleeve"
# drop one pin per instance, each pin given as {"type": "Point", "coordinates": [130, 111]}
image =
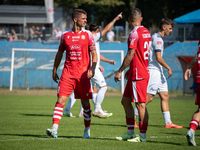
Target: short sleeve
{"type": "Point", "coordinates": [158, 44]}
{"type": "Point", "coordinates": [133, 40]}
{"type": "Point", "coordinates": [91, 39]}
{"type": "Point", "coordinates": [62, 44]}
{"type": "Point", "coordinates": [97, 36]}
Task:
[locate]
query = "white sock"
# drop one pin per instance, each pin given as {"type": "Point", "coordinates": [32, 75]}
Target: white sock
{"type": "Point", "coordinates": [94, 98]}
{"type": "Point", "coordinates": [100, 95]}
{"type": "Point", "coordinates": [55, 126]}
{"type": "Point", "coordinates": [98, 108]}
{"type": "Point", "coordinates": [143, 135]}
{"type": "Point", "coordinates": [70, 103]}
{"type": "Point", "coordinates": [81, 110]}
{"type": "Point", "coordinates": [88, 128]}
{"type": "Point", "coordinates": [166, 116]}
{"type": "Point", "coordinates": [130, 132]}
{"type": "Point", "coordinates": [136, 111]}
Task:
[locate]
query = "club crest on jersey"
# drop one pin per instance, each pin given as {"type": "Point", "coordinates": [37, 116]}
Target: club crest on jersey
{"type": "Point", "coordinates": [83, 37]}
{"type": "Point", "coordinates": [159, 43]}
{"type": "Point", "coordinates": [132, 41]}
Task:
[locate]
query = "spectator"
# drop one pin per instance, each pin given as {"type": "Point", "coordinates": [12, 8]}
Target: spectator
{"type": "Point", "coordinates": [25, 35]}
{"type": "Point", "coordinates": [110, 35]}
{"type": "Point", "coordinates": [38, 33]}
{"type": "Point", "coordinates": [13, 35]}
{"type": "Point", "coordinates": [1, 31]}
{"type": "Point", "coordinates": [31, 32]}
{"type": "Point", "coordinates": [6, 30]}
{"type": "Point", "coordinates": [43, 35]}
{"type": "Point", "coordinates": [58, 34]}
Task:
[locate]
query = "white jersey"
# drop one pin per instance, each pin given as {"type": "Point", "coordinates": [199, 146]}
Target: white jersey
{"type": "Point", "coordinates": [97, 36]}
{"type": "Point", "coordinates": [157, 45]}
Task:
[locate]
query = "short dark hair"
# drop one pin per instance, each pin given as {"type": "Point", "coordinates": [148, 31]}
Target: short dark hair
{"type": "Point", "coordinates": [77, 12]}
{"type": "Point", "coordinates": [135, 14]}
{"type": "Point", "coordinates": [165, 21]}
{"type": "Point", "coordinates": [93, 26]}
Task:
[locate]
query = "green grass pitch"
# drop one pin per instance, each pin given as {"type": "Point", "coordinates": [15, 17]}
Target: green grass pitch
{"type": "Point", "coordinates": [24, 120]}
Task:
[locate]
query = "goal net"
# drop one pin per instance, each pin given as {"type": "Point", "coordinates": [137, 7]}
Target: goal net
{"type": "Point", "coordinates": [32, 68]}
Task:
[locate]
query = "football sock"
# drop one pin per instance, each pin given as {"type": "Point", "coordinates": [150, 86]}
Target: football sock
{"type": "Point", "coordinates": [81, 110]}
{"type": "Point", "coordinates": [130, 125]}
{"type": "Point", "coordinates": [166, 116]}
{"type": "Point", "coordinates": [87, 116]}
{"type": "Point", "coordinates": [194, 124]}
{"type": "Point", "coordinates": [57, 115]}
{"type": "Point", "coordinates": [143, 128]}
{"type": "Point", "coordinates": [94, 98]}
{"type": "Point", "coordinates": [100, 95]}
{"type": "Point", "coordinates": [70, 103]}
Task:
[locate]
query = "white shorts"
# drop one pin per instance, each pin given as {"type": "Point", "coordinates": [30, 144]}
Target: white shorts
{"type": "Point", "coordinates": [99, 78]}
{"type": "Point", "coordinates": [157, 82]}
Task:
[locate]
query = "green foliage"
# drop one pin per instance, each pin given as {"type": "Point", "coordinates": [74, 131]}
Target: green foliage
{"type": "Point", "coordinates": [78, 3]}
{"type": "Point", "coordinates": [24, 120]}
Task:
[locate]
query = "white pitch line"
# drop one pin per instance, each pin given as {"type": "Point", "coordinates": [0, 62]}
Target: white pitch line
{"type": "Point", "coordinates": [151, 137]}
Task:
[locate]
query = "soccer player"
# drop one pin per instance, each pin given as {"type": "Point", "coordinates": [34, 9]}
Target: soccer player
{"type": "Point", "coordinates": [157, 81]}
{"type": "Point", "coordinates": [139, 43]}
{"type": "Point", "coordinates": [196, 116]}
{"type": "Point", "coordinates": [98, 77]}
{"type": "Point", "coordinates": [79, 46]}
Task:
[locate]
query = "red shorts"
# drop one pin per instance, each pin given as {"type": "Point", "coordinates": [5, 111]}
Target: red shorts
{"type": "Point", "coordinates": [82, 88]}
{"type": "Point", "coordinates": [198, 95]}
{"type": "Point", "coordinates": [136, 90]}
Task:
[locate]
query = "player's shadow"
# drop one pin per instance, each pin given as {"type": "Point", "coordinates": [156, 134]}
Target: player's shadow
{"type": "Point", "coordinates": [171, 143]}
{"type": "Point", "coordinates": [65, 137]}
{"type": "Point", "coordinates": [157, 126]}
{"type": "Point", "coordinates": [113, 125]}
{"type": "Point", "coordinates": [26, 135]}
{"type": "Point", "coordinates": [37, 115]}
{"type": "Point", "coordinates": [80, 137]}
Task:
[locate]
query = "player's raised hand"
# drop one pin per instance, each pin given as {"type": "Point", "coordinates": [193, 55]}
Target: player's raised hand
{"type": "Point", "coordinates": [119, 16]}
{"type": "Point", "coordinates": [55, 76]}
{"type": "Point", "coordinates": [112, 62]}
{"type": "Point", "coordinates": [170, 73]}
{"type": "Point", "coordinates": [187, 74]}
{"type": "Point", "coordinates": [117, 76]}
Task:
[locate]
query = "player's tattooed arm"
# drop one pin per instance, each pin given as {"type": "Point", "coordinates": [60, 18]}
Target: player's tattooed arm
{"type": "Point", "coordinates": [194, 60]}
{"type": "Point", "coordinates": [128, 58]}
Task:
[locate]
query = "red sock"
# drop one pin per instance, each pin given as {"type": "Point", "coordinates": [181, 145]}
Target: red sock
{"type": "Point", "coordinates": [87, 115]}
{"type": "Point", "coordinates": [57, 113]}
{"type": "Point", "coordinates": [194, 124]}
{"type": "Point", "coordinates": [130, 122]}
{"type": "Point", "coordinates": [143, 127]}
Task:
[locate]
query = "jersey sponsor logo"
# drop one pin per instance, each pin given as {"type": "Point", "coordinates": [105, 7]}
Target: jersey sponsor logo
{"type": "Point", "coordinates": [148, 35]}
{"type": "Point", "coordinates": [75, 47]}
{"type": "Point", "coordinates": [159, 43]}
{"type": "Point", "coordinates": [83, 37]}
{"type": "Point", "coordinates": [75, 37]}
